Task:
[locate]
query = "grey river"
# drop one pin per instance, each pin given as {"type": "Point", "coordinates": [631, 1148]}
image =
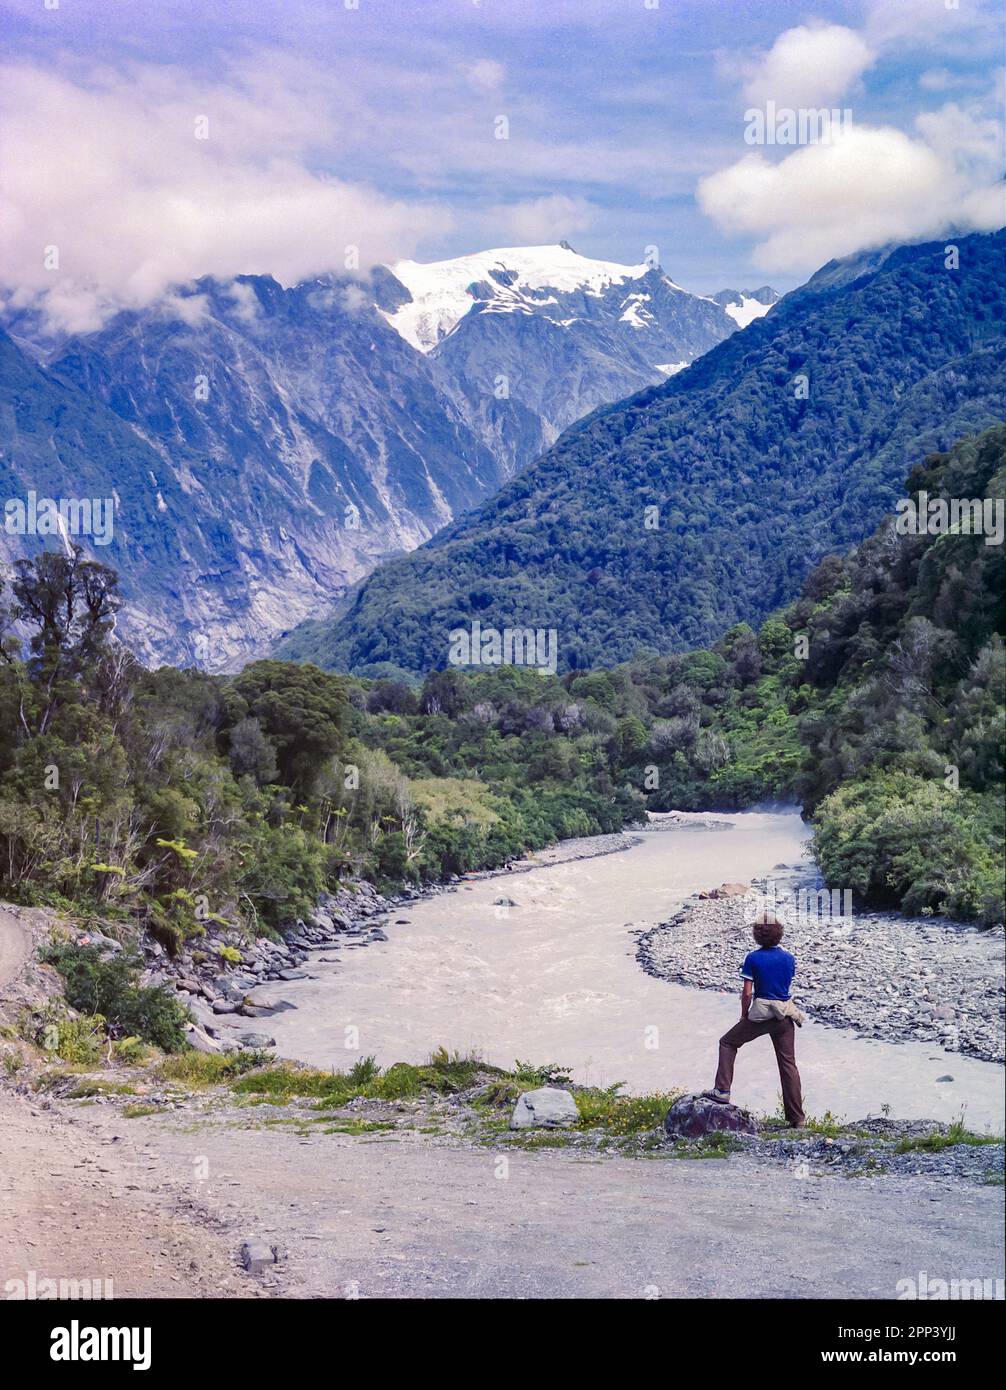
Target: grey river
{"type": "Point", "coordinates": [554, 979]}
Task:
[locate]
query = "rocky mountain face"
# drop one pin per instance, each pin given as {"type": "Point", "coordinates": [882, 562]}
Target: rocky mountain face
{"type": "Point", "coordinates": [266, 447]}
{"type": "Point", "coordinates": [658, 523]}
{"type": "Point", "coordinates": [530, 339]}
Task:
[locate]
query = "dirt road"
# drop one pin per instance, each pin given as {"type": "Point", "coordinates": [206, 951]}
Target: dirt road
{"type": "Point", "coordinates": [15, 945]}
{"type": "Point", "coordinates": [409, 1217]}
{"type": "Point", "coordinates": [76, 1205]}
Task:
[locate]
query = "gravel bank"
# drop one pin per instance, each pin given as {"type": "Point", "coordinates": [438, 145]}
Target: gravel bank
{"type": "Point", "coordinates": [899, 979]}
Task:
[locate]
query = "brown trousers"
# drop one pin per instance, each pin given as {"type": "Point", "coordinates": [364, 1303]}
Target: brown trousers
{"type": "Point", "coordinates": [782, 1031]}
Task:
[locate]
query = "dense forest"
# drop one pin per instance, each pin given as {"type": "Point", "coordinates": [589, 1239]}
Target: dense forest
{"type": "Point", "coordinates": [658, 523]}
{"type": "Point", "coordinates": [175, 797]}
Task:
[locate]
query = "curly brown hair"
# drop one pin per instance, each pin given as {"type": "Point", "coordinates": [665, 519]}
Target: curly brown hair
{"type": "Point", "coordinates": [767, 930]}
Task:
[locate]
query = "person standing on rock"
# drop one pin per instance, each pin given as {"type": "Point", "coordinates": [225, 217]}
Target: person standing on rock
{"type": "Point", "coordinates": [765, 1008]}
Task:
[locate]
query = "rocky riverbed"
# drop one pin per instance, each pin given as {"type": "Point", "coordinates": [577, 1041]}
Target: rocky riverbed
{"type": "Point", "coordinates": [894, 978]}
{"type": "Point", "coordinates": [227, 979]}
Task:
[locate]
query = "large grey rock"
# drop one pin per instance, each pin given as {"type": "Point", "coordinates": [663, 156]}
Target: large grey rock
{"type": "Point", "coordinates": [546, 1108]}
{"type": "Point", "coordinates": [102, 942]}
{"type": "Point", "coordinates": [204, 1016]}
{"type": "Point", "coordinates": [228, 987]}
{"type": "Point", "coordinates": [691, 1117]}
{"type": "Point", "coordinates": [257, 1255]}
{"type": "Point", "coordinates": [261, 999]}
{"type": "Point", "coordinates": [201, 1041]}
{"type": "Point", "coordinates": [255, 1040]}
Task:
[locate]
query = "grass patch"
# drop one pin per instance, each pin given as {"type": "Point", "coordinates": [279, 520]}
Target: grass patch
{"type": "Point", "coordinates": [829, 1126]}
{"type": "Point", "coordinates": [936, 1142]}
{"type": "Point", "coordinates": [198, 1069]}
{"type": "Point", "coordinates": [622, 1115]}
{"type": "Point", "coordinates": [443, 1074]}
{"type": "Point", "coordinates": [136, 1112]}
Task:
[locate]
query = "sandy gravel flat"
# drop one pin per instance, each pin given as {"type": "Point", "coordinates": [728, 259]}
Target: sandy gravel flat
{"type": "Point", "coordinates": [410, 1217]}
{"type": "Point", "coordinates": [75, 1204]}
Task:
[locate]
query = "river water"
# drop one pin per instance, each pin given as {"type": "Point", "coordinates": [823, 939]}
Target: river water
{"type": "Point", "coordinates": [554, 979]}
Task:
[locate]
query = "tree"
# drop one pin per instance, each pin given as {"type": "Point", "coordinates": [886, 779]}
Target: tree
{"type": "Point", "coordinates": [300, 709]}
{"type": "Point", "coordinates": [70, 603]}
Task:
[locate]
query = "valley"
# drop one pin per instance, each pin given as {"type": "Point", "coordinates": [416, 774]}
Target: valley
{"type": "Point", "coordinates": [273, 443]}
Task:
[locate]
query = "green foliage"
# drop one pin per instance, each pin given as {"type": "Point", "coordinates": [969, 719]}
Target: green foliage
{"type": "Point", "coordinates": [914, 844]}
{"type": "Point", "coordinates": [904, 731]}
{"type": "Point", "coordinates": [198, 1069]}
{"type": "Point", "coordinates": [940, 1139]}
{"type": "Point", "coordinates": [444, 1074]}
{"type": "Point", "coordinates": [623, 1115]}
{"type": "Point", "coordinates": [78, 1041]}
{"type": "Point", "coordinates": [110, 986]}
{"type": "Point", "coordinates": [184, 799]}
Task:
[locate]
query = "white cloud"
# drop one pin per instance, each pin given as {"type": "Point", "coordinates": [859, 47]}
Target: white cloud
{"type": "Point", "coordinates": [486, 74]}
{"type": "Point", "coordinates": [246, 305]}
{"type": "Point", "coordinates": [190, 308]}
{"type": "Point", "coordinates": [939, 80]}
{"type": "Point", "coordinates": [869, 185]}
{"type": "Point", "coordinates": [810, 65]}
{"type": "Point", "coordinates": [108, 170]}
{"type": "Point", "coordinates": [539, 221]}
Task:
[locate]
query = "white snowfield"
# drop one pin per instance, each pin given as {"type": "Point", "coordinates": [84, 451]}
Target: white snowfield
{"type": "Point", "coordinates": [440, 289]}
{"type": "Point", "coordinates": [746, 311]}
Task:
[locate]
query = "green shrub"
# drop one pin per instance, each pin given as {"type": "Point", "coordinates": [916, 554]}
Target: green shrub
{"type": "Point", "coordinates": [110, 986]}
{"type": "Point", "coordinates": [914, 844]}
{"type": "Point", "coordinates": [79, 1041]}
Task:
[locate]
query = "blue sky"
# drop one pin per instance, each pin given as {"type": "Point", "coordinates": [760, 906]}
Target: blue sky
{"type": "Point", "coordinates": [330, 126]}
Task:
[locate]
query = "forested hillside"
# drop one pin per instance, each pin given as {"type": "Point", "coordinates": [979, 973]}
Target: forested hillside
{"type": "Point", "coordinates": [170, 797]}
{"type": "Point", "coordinates": [657, 524]}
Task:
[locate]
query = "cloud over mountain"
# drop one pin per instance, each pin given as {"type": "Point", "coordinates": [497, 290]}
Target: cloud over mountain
{"type": "Point", "coordinates": [867, 186]}
{"type": "Point", "coordinates": [145, 179]}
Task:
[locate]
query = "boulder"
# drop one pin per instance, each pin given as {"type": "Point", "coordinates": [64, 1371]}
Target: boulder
{"type": "Point", "coordinates": [228, 987]}
{"type": "Point", "coordinates": [261, 999]}
{"type": "Point", "coordinates": [255, 1040]}
{"type": "Point", "coordinates": [257, 1256]}
{"type": "Point", "coordinates": [693, 1116]}
{"type": "Point", "coordinates": [98, 939]}
{"type": "Point", "coordinates": [727, 890]}
{"type": "Point", "coordinates": [202, 1042]}
{"type": "Point", "coordinates": [546, 1108]}
{"type": "Point", "coordinates": [204, 1017]}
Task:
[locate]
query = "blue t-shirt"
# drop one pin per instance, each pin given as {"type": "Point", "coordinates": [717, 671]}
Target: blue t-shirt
{"type": "Point", "coordinates": [772, 970]}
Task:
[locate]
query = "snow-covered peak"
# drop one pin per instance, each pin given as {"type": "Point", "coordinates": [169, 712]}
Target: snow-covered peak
{"type": "Point", "coordinates": [744, 306]}
{"type": "Point", "coordinates": [519, 276]}
{"type": "Point", "coordinates": [746, 311]}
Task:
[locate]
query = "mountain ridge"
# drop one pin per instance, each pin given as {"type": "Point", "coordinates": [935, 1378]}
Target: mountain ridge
{"type": "Point", "coordinates": [273, 445]}
{"type": "Point", "coordinates": [564, 544]}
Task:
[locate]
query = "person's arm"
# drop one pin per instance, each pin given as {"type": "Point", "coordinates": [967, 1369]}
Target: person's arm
{"type": "Point", "coordinates": [746, 994]}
